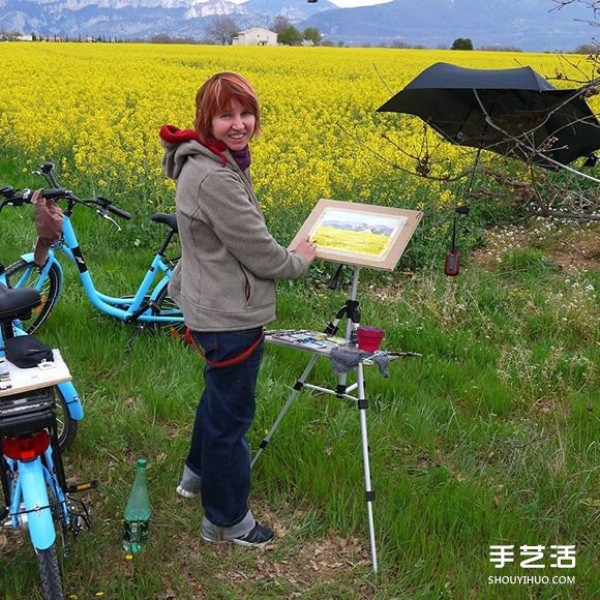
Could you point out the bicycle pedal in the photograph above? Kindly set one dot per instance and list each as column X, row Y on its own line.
column 83, row 487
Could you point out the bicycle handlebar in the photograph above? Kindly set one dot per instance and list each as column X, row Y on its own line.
column 14, row 197
column 102, row 205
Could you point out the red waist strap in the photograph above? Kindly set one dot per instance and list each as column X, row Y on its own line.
column 226, row 362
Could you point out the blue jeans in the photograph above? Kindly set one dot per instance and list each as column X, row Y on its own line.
column 219, row 452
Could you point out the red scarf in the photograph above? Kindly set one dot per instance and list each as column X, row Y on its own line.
column 174, row 135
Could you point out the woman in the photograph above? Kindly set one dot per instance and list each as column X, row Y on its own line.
column 225, row 286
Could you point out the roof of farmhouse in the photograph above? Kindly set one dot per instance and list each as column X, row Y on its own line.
column 256, row 29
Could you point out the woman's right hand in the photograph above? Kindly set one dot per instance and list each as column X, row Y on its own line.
column 307, row 250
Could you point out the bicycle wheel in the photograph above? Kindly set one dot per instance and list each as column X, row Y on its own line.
column 50, row 573
column 26, row 274
column 65, row 425
column 166, row 305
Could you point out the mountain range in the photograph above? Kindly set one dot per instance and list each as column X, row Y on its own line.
column 531, row 25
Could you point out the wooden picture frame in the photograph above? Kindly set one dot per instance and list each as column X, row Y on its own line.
column 359, row 234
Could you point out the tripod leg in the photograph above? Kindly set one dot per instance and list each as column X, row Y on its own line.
column 297, row 387
column 369, row 493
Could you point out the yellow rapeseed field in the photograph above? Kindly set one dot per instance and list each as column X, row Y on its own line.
column 95, row 109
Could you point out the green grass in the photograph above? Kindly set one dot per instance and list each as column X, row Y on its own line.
column 491, row 436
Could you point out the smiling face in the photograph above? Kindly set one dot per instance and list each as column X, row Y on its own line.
column 227, row 108
column 234, row 125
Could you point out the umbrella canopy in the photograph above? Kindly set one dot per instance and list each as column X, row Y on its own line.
column 514, row 112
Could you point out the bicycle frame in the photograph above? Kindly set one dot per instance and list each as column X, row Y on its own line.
column 29, row 501
column 141, row 307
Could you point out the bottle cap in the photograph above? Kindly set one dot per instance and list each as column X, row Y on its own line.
column 141, row 462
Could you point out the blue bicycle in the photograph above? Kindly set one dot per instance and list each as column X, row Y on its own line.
column 32, row 477
column 148, row 305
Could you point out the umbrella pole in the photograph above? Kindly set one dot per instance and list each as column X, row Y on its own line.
column 472, row 173
column 452, row 261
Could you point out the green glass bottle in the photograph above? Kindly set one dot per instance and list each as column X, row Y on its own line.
column 137, row 512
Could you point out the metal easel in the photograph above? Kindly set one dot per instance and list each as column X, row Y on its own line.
column 351, row 312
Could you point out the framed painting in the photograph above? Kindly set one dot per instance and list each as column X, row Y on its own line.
column 359, row 234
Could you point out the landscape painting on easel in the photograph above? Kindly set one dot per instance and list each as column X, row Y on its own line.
column 359, row 234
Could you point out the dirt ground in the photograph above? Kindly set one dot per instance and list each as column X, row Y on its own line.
column 573, row 249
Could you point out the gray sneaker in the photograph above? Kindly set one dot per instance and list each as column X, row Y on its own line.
column 190, row 484
column 257, row 537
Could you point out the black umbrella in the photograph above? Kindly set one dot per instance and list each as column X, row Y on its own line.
column 514, row 112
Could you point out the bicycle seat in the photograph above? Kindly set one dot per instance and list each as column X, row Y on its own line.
column 17, row 303
column 170, row 220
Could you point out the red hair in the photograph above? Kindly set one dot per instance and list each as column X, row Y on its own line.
column 215, row 95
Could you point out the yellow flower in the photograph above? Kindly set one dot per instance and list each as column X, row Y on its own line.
column 95, row 110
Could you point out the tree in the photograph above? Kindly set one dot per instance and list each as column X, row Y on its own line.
column 591, row 49
column 279, row 24
column 312, row 34
column 398, row 43
column 222, row 30
column 289, row 36
column 163, row 38
column 462, row 44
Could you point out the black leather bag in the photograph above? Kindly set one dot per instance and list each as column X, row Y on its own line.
column 26, row 351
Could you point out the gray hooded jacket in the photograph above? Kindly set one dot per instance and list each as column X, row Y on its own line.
column 224, row 280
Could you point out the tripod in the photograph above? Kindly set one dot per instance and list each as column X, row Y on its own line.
column 351, row 312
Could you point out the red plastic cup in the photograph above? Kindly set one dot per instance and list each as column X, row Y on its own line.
column 369, row 338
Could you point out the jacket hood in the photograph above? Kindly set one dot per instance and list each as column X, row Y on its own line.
column 181, row 143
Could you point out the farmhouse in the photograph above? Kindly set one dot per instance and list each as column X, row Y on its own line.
column 255, row 36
